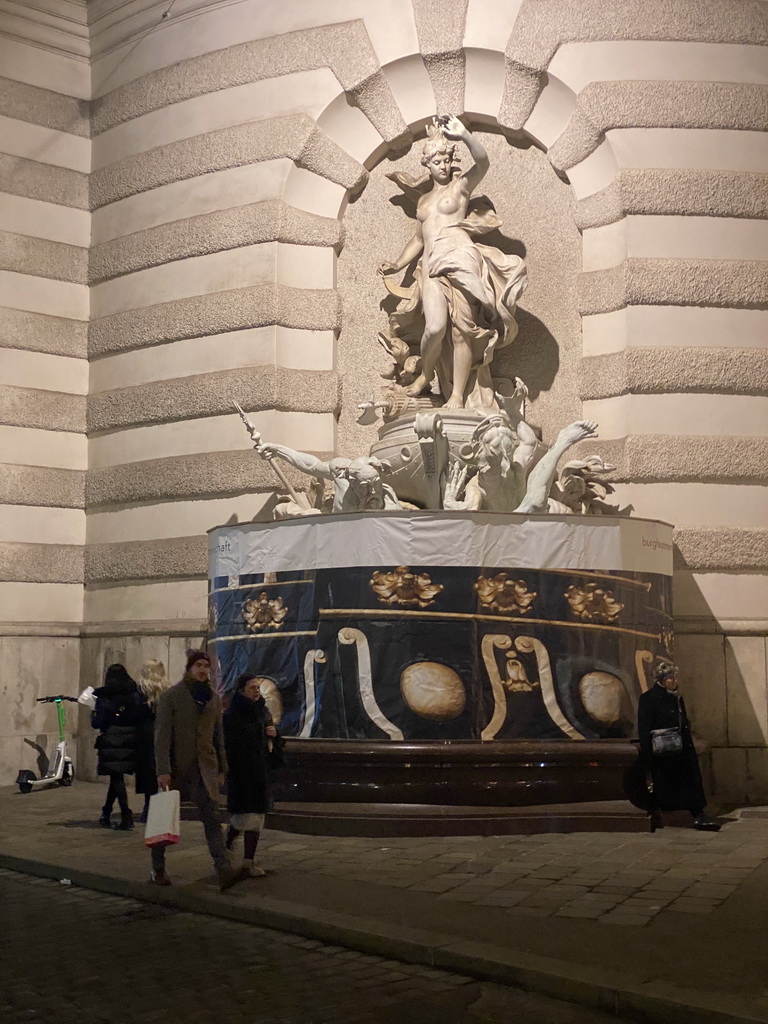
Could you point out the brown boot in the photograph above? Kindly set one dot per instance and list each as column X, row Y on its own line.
column 159, row 878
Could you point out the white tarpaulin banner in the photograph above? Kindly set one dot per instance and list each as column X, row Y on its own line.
column 597, row 543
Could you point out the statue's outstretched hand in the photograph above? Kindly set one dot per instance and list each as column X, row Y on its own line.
column 578, row 431
column 454, row 486
column 453, row 128
column 385, row 269
column 266, row 450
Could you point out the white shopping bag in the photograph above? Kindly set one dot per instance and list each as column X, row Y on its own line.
column 162, row 827
column 87, row 698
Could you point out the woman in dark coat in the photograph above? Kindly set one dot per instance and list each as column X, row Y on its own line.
column 676, row 777
column 117, row 715
column 248, row 733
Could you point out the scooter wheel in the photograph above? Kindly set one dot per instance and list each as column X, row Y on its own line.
column 68, row 776
column 25, row 781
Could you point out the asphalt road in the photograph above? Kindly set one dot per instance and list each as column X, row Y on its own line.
column 73, row 956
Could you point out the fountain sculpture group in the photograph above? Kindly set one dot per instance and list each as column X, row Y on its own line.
column 456, row 583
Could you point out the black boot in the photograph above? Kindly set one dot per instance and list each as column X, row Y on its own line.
column 104, row 821
column 704, row 823
column 126, row 822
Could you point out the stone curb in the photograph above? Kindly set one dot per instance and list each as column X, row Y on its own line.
column 593, row 987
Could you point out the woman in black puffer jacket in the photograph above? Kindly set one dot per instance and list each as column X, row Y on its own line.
column 117, row 715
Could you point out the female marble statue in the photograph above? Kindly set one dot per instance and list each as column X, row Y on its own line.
column 464, row 293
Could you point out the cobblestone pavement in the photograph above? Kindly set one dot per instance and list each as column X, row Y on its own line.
column 616, row 878
column 74, row 956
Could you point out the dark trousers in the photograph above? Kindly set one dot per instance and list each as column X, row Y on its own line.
column 117, row 792
column 208, row 811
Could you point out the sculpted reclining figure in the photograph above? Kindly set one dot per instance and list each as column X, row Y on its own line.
column 515, row 473
column 357, row 483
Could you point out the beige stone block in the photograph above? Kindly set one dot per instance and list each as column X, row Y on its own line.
column 177, row 599
column 46, row 145
column 721, row 596
column 484, row 88
column 349, row 128
column 669, row 326
column 707, row 149
column 53, row 298
column 41, row 602
column 688, row 414
column 212, row 434
column 171, row 519
column 757, row 776
column 594, row 172
column 306, row 91
column 579, row 63
column 59, row 72
column 702, row 667
column 188, row 357
column 32, row 667
column 32, row 446
column 41, row 219
column 411, row 87
column 44, row 371
column 36, row 525
column 695, row 504
column 729, row 775
column 747, row 690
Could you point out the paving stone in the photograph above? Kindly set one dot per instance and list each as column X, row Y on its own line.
column 585, row 912
column 718, row 892
column 627, row 919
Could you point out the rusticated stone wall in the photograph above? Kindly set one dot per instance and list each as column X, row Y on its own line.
column 190, row 210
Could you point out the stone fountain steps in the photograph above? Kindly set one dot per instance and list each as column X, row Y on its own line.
column 388, row 820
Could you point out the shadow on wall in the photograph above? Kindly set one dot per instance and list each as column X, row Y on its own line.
column 534, row 355
column 43, row 761
column 724, row 684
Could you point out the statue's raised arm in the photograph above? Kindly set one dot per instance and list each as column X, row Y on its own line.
column 453, row 129
column 464, row 294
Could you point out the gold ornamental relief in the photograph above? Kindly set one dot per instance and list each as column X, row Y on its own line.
column 262, row 613
column 517, row 680
column 403, row 587
column 501, row 594
column 593, row 604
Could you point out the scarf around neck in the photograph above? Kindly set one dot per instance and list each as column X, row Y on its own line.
column 200, row 692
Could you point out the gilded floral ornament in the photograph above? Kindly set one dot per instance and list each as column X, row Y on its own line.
column 517, row 680
column 501, row 594
column 401, row 586
column 593, row 604
column 263, row 613
column 668, row 641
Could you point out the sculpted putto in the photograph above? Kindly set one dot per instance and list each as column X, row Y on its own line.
column 460, row 309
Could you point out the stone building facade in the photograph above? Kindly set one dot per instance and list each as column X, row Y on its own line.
column 193, row 203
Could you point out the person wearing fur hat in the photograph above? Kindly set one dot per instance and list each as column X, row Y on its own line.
column 116, row 716
column 674, row 771
column 190, row 757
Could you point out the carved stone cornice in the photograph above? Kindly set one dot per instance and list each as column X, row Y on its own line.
column 57, row 25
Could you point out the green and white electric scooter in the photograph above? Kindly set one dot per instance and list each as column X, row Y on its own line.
column 61, row 771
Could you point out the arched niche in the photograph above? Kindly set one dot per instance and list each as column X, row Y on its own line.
column 535, row 203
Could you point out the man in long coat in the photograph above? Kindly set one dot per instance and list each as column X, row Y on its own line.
column 190, row 757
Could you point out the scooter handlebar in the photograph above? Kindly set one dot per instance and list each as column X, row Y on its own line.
column 50, row 700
